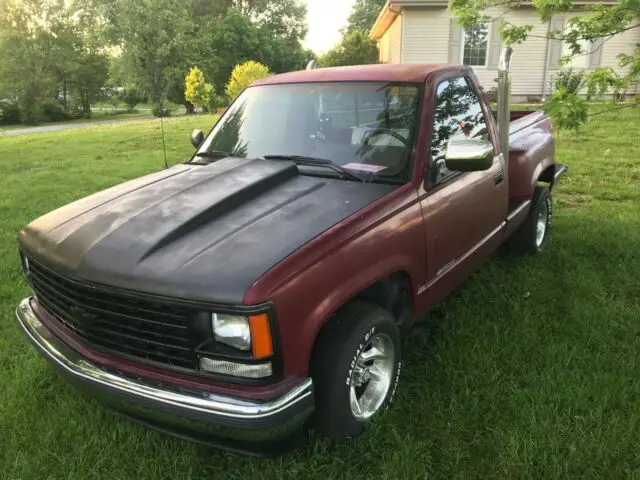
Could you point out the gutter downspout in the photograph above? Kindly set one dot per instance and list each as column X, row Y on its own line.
column 545, row 69
column 504, row 105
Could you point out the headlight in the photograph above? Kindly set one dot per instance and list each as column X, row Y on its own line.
column 232, row 330
column 244, row 333
column 248, row 334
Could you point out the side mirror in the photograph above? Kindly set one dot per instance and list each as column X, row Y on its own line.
column 468, row 154
column 197, row 137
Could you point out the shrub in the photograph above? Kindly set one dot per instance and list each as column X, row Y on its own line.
column 604, row 80
column 131, row 96
column 161, row 111
column 10, row 113
column 53, row 112
column 196, row 91
column 216, row 102
column 30, row 112
column 243, row 76
column 569, row 79
column 492, row 95
column 74, row 111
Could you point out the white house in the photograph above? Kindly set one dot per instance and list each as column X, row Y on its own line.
column 423, row 31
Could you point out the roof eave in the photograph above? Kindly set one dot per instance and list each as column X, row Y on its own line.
column 385, row 19
column 392, row 9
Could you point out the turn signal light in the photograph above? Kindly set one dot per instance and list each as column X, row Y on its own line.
column 261, row 343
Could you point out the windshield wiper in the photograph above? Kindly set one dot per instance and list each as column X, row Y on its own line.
column 213, row 154
column 315, row 162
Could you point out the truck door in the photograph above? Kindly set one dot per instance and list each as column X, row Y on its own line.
column 464, row 212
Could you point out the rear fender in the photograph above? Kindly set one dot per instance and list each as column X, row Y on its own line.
column 543, row 173
column 532, row 152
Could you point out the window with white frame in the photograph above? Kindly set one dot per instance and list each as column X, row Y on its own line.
column 580, row 60
column 475, row 45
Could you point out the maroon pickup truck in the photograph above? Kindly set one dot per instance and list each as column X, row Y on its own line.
column 264, row 285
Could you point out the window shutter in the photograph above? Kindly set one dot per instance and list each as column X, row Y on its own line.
column 455, row 42
column 555, row 46
column 595, row 54
column 495, row 46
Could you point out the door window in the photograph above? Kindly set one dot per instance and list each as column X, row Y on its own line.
column 457, row 114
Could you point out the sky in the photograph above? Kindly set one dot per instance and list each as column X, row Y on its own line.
column 326, row 18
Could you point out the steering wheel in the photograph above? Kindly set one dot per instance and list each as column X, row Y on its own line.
column 387, row 131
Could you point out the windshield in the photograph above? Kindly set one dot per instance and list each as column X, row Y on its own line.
column 367, row 128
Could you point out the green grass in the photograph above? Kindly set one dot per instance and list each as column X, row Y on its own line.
column 531, row 370
column 96, row 114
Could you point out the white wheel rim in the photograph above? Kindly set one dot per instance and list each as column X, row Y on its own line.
column 371, row 377
column 541, row 223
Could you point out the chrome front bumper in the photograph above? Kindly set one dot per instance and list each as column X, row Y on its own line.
column 223, row 421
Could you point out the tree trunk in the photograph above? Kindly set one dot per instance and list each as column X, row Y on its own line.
column 190, row 108
column 84, row 98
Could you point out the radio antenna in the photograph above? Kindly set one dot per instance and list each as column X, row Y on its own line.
column 164, row 146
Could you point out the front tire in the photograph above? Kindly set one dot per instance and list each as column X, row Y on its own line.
column 355, row 369
column 533, row 235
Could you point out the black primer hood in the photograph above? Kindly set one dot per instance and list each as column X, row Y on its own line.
column 196, row 232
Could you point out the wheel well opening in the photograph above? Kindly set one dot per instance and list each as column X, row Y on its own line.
column 392, row 293
column 547, row 175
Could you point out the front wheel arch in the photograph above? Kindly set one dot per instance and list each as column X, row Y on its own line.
column 317, row 321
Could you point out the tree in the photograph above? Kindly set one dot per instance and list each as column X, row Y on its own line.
column 68, row 51
column 88, row 78
column 131, row 96
column 243, row 75
column 355, row 48
column 363, row 14
column 603, row 21
column 152, row 36
column 175, row 89
column 44, row 61
column 236, row 38
column 283, row 18
column 196, row 90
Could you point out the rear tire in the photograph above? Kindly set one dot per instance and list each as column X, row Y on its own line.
column 533, row 235
column 355, row 369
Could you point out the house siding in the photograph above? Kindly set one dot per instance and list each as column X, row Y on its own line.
column 529, row 58
column 622, row 43
column 427, row 35
column 426, row 40
column 390, row 44
column 383, row 48
column 395, row 41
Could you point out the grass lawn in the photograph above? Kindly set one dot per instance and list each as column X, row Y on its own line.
column 531, row 370
column 96, row 115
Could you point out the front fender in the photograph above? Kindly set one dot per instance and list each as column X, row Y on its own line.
column 304, row 302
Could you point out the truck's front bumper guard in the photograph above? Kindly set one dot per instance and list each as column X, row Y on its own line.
column 196, row 415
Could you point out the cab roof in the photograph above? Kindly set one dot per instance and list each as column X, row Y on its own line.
column 413, row 73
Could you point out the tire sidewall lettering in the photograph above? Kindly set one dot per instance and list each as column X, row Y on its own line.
column 395, row 384
column 354, row 359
